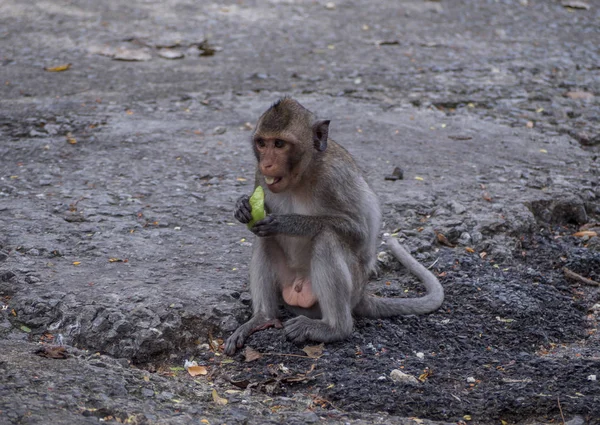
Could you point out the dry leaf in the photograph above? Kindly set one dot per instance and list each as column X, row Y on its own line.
column 76, row 263
column 251, row 354
column 218, row 399
column 588, row 233
column 71, row 139
column 469, row 249
column 59, row 68
column 314, row 351
column 443, row 240
column 197, row 370
column 579, row 95
column 426, row 374
column 487, row 196
column 575, row 4
column 56, row 352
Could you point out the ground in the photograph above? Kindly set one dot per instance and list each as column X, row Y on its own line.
column 118, row 178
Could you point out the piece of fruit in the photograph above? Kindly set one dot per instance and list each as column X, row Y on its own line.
column 257, row 202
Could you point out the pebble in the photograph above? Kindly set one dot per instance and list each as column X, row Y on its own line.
column 399, row 376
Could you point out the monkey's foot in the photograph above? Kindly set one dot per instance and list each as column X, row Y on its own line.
column 302, row 328
column 255, row 324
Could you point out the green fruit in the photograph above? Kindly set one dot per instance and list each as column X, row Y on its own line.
column 257, row 202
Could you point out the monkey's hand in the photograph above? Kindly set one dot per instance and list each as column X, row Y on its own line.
column 268, row 226
column 243, row 209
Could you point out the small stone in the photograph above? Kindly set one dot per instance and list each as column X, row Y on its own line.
column 330, row 5
column 219, row 130
column 471, row 380
column 464, row 239
column 399, row 376
column 170, row 54
column 397, row 174
column 147, row 392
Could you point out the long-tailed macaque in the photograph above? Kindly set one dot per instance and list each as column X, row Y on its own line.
column 316, row 248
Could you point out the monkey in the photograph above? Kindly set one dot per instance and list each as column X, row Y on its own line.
column 316, row 249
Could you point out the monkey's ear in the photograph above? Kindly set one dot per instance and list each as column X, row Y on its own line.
column 320, row 134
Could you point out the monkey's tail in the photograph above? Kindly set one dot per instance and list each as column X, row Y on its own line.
column 387, row 307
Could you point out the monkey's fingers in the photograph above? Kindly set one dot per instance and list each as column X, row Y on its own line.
column 268, row 226
column 235, row 341
column 243, row 216
column 243, row 209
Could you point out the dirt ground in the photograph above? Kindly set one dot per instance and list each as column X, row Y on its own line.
column 124, row 143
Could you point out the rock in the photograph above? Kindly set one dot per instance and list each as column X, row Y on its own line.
column 566, row 209
column 401, row 377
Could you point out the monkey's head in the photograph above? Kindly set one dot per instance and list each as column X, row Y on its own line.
column 286, row 140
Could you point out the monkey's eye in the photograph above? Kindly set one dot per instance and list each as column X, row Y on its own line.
column 279, row 143
column 260, row 143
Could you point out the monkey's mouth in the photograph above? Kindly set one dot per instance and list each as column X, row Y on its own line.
column 272, row 180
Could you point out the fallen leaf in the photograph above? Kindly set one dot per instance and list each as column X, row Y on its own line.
column 588, row 233
column 251, row 354
column 76, row 263
column 443, row 240
column 543, row 151
column 426, row 374
column 460, row 137
column 529, row 124
column 314, row 351
column 575, row 4
column 419, row 178
column 469, row 249
column 197, row 370
column 487, row 196
column 59, row 68
column 579, row 95
column 25, row 329
column 115, row 260
column 218, row 399
column 53, row 352
column 243, row 384
column 72, row 140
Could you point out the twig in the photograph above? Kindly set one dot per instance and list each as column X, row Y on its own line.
column 289, row 355
column 560, row 409
column 434, row 263
column 577, row 277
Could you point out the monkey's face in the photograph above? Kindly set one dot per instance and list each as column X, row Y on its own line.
column 276, row 161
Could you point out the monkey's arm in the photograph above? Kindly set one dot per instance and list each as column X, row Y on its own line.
column 307, row 225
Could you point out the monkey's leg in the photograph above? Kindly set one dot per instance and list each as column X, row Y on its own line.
column 264, row 292
column 332, row 283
